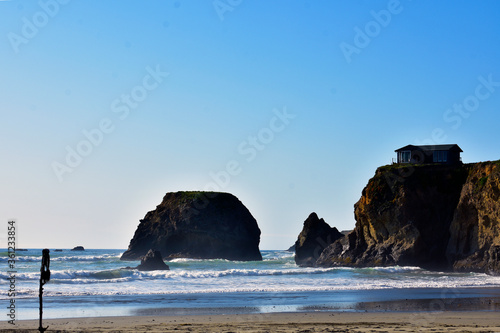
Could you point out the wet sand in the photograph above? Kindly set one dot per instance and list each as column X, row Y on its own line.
column 481, row 321
column 481, row 314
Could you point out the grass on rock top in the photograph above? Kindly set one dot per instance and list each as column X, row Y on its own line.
column 195, row 195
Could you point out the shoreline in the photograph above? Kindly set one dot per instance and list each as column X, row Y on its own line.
column 390, row 300
column 329, row 321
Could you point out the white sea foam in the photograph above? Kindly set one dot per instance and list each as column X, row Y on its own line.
column 89, row 258
column 98, row 273
column 102, row 275
column 94, row 280
column 86, row 287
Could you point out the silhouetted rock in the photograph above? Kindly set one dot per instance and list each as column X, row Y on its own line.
column 78, row 248
column 152, row 261
column 291, row 248
column 432, row 216
column 204, row 225
column 315, row 236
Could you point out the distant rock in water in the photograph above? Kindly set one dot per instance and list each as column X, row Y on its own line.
column 315, row 236
column 433, row 216
column 291, row 248
column 152, row 261
column 78, row 248
column 202, row 225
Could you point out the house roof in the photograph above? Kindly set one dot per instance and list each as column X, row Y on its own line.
column 430, row 147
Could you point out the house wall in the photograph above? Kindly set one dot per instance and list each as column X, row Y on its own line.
column 427, row 157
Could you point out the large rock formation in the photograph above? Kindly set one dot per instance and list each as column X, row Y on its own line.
column 203, row 225
column 315, row 236
column 432, row 216
column 475, row 230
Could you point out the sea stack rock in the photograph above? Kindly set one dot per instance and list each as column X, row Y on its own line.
column 315, row 236
column 152, row 261
column 403, row 218
column 78, row 248
column 200, row 225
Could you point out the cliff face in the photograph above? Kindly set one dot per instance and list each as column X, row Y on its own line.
column 402, row 218
column 475, row 230
column 204, row 225
column 315, row 236
column 436, row 217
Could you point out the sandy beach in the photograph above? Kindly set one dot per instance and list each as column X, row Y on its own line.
column 479, row 314
column 469, row 321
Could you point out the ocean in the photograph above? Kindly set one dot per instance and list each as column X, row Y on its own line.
column 91, row 283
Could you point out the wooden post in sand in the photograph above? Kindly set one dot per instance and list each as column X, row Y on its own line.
column 44, row 278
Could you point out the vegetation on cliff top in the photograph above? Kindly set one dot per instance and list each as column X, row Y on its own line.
column 194, row 195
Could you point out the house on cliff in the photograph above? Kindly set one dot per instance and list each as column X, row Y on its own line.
column 438, row 154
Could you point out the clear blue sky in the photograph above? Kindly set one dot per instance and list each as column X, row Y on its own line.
column 290, row 105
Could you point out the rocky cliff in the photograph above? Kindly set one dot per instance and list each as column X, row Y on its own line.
column 203, row 225
column 432, row 216
column 475, row 230
column 315, row 236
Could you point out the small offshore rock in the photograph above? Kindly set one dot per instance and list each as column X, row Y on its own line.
column 152, row 261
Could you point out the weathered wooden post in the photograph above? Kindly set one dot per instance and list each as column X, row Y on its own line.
column 44, row 278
